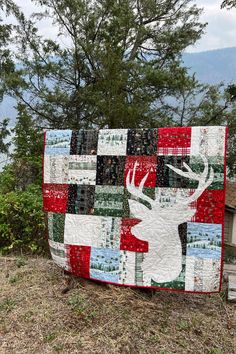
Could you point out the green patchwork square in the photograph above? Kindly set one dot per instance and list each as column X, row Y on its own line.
column 56, row 223
column 109, row 200
column 150, row 192
column 216, row 162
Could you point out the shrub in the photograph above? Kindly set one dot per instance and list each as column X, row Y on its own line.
column 22, row 221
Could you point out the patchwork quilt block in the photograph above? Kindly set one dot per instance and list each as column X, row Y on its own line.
column 138, row 207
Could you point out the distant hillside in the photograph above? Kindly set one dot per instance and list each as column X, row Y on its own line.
column 213, row 66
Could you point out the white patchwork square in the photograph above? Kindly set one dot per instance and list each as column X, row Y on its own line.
column 127, row 268
column 83, row 230
column 112, row 142
column 110, row 232
column 56, row 169
column 93, row 231
column 189, row 273
column 211, row 275
column 58, row 253
column 82, row 169
column 208, row 141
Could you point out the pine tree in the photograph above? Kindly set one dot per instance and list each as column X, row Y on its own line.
column 28, row 150
column 4, row 133
column 118, row 67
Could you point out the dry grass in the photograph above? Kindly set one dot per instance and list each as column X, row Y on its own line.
column 37, row 316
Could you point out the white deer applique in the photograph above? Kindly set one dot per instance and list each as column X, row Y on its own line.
column 159, row 226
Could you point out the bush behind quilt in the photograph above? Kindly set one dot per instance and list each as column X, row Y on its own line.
column 137, row 207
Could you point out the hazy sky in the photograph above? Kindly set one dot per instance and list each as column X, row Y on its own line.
column 220, row 32
column 221, row 29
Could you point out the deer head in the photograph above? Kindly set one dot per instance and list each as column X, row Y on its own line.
column 158, row 222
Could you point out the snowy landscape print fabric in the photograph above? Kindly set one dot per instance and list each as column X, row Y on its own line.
column 137, row 207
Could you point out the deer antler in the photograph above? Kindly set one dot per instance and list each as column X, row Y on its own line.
column 202, row 178
column 138, row 191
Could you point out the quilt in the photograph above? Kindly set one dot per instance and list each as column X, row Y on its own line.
column 138, row 207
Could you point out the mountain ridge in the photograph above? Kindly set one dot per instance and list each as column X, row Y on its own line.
column 212, row 66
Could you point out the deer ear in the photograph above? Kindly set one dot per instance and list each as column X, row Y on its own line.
column 137, row 209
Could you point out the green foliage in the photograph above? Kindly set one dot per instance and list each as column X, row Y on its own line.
column 21, row 262
column 50, row 337
column 28, row 140
column 7, row 305
column 4, row 132
column 216, row 351
column 81, row 307
column 26, row 165
column 8, row 179
column 27, row 156
column 184, row 325
column 15, row 279
column 117, row 68
column 6, row 63
column 22, row 221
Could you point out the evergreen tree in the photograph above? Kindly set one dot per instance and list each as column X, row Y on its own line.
column 28, row 136
column 122, row 60
column 4, row 133
column 7, row 7
column 28, row 149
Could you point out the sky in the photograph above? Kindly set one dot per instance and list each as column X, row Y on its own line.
column 220, row 32
column 221, row 29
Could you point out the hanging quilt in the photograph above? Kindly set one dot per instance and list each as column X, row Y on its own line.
column 137, row 207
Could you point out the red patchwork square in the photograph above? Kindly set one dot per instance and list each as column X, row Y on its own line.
column 79, row 260
column 210, row 207
column 55, row 197
column 174, row 141
column 144, row 165
column 128, row 242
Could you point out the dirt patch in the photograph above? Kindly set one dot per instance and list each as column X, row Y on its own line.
column 44, row 311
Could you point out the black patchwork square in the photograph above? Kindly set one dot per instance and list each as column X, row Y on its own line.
column 166, row 177
column 84, row 142
column 110, row 170
column 182, row 229
column 80, row 199
column 142, row 142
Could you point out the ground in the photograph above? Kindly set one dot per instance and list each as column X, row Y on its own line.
column 44, row 311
